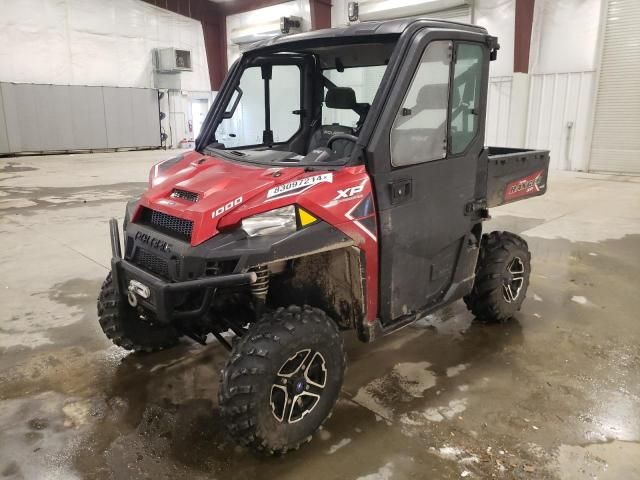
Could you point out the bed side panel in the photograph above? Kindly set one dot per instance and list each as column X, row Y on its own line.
column 516, row 174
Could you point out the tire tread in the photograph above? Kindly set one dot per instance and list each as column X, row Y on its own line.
column 496, row 249
column 248, row 362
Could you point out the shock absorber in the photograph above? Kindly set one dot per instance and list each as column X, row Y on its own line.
column 260, row 287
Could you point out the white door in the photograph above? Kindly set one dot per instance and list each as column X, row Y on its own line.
column 615, row 145
column 199, row 109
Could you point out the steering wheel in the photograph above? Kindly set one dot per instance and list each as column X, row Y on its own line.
column 341, row 136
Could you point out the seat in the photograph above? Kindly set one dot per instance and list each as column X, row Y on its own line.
column 343, row 98
column 341, row 148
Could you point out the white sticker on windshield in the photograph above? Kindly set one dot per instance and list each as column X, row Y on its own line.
column 298, row 186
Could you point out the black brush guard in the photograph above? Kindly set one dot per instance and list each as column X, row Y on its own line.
column 161, row 291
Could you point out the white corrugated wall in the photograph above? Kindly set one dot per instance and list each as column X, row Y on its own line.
column 498, row 108
column 559, row 117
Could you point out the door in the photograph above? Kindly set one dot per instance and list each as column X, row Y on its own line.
column 199, row 109
column 432, row 132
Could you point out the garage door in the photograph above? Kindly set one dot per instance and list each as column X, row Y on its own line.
column 616, row 135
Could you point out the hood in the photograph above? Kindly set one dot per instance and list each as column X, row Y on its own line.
column 203, row 188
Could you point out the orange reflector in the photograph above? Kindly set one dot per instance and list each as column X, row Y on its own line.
column 306, row 218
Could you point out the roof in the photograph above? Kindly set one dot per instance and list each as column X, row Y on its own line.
column 370, row 28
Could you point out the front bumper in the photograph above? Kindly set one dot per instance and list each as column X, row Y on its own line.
column 161, row 291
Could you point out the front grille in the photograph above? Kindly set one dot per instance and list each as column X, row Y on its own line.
column 153, row 263
column 185, row 195
column 177, row 227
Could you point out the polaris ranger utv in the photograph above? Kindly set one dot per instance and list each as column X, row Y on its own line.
column 340, row 181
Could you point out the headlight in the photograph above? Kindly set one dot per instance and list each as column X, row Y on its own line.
column 278, row 221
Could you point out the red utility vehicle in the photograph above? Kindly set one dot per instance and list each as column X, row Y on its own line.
column 340, row 182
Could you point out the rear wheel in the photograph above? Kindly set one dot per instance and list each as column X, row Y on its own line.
column 282, row 379
column 126, row 328
column 502, row 277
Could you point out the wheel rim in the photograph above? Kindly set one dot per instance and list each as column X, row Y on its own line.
column 513, row 280
column 298, row 386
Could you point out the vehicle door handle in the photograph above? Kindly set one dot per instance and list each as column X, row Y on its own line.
column 400, row 191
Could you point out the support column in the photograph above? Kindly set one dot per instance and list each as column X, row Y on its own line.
column 320, row 14
column 215, row 44
column 519, row 102
column 522, row 40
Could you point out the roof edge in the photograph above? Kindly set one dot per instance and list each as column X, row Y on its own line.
column 368, row 28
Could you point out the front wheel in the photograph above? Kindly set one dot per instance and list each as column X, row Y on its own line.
column 282, row 379
column 502, row 277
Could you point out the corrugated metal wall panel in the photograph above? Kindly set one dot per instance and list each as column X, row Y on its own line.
column 498, row 108
column 615, row 143
column 11, row 97
column 147, row 132
column 558, row 117
column 118, row 111
column 55, row 113
column 4, row 139
column 87, row 118
column 43, row 118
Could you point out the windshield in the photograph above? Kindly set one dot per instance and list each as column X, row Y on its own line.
column 296, row 101
column 258, row 112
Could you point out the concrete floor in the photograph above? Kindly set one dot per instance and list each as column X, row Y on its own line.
column 553, row 393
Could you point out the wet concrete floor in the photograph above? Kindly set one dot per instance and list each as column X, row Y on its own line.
column 553, row 393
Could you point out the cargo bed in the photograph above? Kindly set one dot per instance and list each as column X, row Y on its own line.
column 515, row 174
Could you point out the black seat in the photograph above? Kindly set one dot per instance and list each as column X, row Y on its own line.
column 341, row 148
column 343, row 98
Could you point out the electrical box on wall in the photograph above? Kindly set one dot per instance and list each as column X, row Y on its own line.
column 172, row 60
